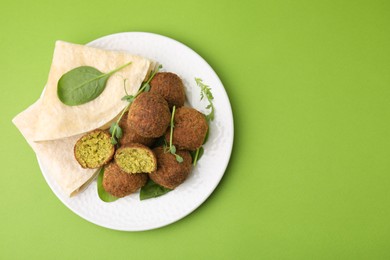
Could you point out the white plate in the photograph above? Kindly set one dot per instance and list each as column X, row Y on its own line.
column 129, row 213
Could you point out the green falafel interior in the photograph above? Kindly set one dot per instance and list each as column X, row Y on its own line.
column 94, row 149
column 135, row 158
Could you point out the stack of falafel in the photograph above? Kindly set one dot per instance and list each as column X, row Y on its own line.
column 138, row 158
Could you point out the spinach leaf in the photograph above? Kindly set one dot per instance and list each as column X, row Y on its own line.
column 152, row 190
column 103, row 194
column 83, row 84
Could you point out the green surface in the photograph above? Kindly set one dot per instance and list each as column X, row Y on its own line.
column 309, row 84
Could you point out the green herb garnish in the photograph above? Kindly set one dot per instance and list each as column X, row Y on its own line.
column 206, row 92
column 103, row 194
column 83, row 84
column 115, row 130
column 152, row 190
column 172, row 148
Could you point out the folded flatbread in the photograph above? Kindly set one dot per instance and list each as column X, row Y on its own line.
column 52, row 128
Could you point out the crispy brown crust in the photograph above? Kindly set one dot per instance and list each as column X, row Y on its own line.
column 169, row 86
column 138, row 146
column 190, row 129
column 107, row 134
column 120, row 183
column 149, row 115
column 130, row 136
column 170, row 173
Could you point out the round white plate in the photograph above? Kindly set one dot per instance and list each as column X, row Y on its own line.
column 129, row 213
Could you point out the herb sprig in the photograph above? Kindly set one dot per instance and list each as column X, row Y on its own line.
column 115, row 130
column 172, row 148
column 205, row 91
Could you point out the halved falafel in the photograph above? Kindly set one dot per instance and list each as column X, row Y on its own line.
column 169, row 86
column 149, row 115
column 120, row 183
column 135, row 158
column 130, row 136
column 94, row 149
column 170, row 173
column 190, row 129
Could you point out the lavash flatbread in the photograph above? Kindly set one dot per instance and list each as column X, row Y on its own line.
column 52, row 128
column 57, row 156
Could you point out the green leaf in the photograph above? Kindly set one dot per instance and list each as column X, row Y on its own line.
column 193, row 154
column 103, row 194
column 82, row 84
column 147, row 87
column 112, row 127
column 179, row 158
column 201, row 152
column 152, row 190
column 118, row 132
column 173, row 149
column 128, row 98
column 113, row 140
column 210, row 117
column 206, row 91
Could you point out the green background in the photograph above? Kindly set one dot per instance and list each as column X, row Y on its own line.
column 309, row 84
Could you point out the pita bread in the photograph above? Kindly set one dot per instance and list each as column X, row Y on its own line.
column 52, row 128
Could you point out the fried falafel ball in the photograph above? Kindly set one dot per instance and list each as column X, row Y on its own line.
column 170, row 87
column 135, row 158
column 170, row 173
column 94, row 149
column 149, row 115
column 190, row 129
column 130, row 136
column 119, row 183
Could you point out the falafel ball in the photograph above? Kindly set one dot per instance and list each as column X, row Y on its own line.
column 119, row 183
column 170, row 173
column 94, row 149
column 130, row 136
column 135, row 158
column 149, row 115
column 190, row 129
column 169, row 86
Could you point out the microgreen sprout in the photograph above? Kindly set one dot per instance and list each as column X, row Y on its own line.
column 172, row 148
